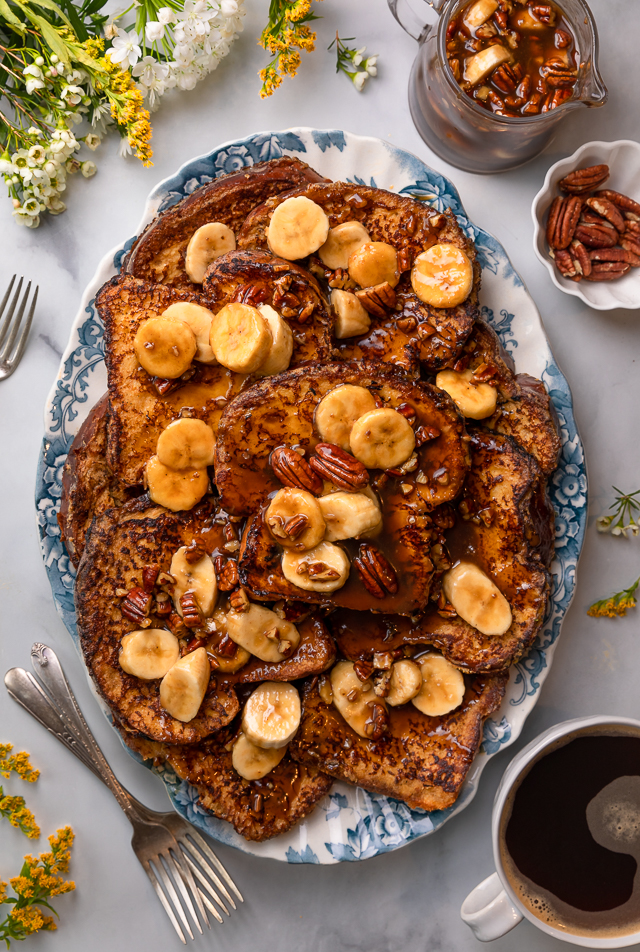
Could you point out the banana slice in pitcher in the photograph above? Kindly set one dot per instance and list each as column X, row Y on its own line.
column 322, row 569
column 342, row 241
column 442, row 688
column 279, row 356
column 405, row 682
column 477, row 599
column 240, row 338
column 149, row 653
column 197, row 577
column 298, row 227
column 295, row 519
column 338, row 411
column 443, row 275
column 187, row 443
column 263, row 633
column 183, row 687
column 199, row 320
column 176, row 490
column 353, row 698
column 252, row 762
column 272, row 714
column 165, row 348
column 382, row 439
column 348, row 515
column 206, row 244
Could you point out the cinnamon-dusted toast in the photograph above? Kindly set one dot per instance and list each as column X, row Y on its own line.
column 412, row 333
column 258, row 809
column 158, row 253
column 421, row 760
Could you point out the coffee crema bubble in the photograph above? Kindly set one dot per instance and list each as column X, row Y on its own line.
column 570, row 834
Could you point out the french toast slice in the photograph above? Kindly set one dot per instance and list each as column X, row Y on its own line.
column 507, row 530
column 121, row 544
column 257, row 809
column 413, row 333
column 421, row 760
column 157, row 255
column 138, row 412
column 88, row 483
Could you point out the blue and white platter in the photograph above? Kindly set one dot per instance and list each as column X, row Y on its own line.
column 349, row 824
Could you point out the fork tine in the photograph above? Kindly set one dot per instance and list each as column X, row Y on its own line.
column 6, row 324
column 189, row 881
column 212, row 909
column 170, row 888
column 161, row 896
column 206, row 885
column 7, row 293
column 24, row 333
column 15, row 326
column 175, row 867
column 203, row 846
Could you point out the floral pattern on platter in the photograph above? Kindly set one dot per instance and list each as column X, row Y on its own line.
column 349, row 824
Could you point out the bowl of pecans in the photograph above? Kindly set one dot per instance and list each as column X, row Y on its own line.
column 587, row 224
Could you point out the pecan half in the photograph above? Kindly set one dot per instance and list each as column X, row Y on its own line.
column 363, row 669
column 563, row 39
column 318, row 570
column 407, row 324
column 544, row 12
column 376, row 299
column 585, row 180
column 507, row 77
column 376, row 573
column 192, row 645
column 137, row 604
column 227, row 648
column 339, row 467
column 191, row 614
column 615, row 254
column 596, row 236
column 608, row 211
column 631, row 244
column 163, row 604
column 226, row 573
column 377, row 723
column 630, row 208
column 574, row 262
column 195, row 551
column 557, row 75
column 293, row 470
column 251, row 294
column 239, row 600
column 149, row 577
column 608, row 270
column 564, row 216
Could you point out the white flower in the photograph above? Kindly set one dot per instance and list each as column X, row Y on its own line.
column 149, row 71
column 359, row 80
column 125, row 49
column 370, row 65
column 166, row 16
column 125, row 147
column 31, row 207
column 20, row 159
column 228, row 8
column 154, row 31
column 72, row 95
column 100, row 114
column 183, row 55
column 88, row 169
column 55, row 206
column 72, row 166
column 51, row 167
column 110, row 31
column 6, row 167
column 358, row 55
column 33, row 131
column 36, row 79
column 92, row 141
column 194, row 19
column 37, row 154
column 187, row 80
column 32, row 221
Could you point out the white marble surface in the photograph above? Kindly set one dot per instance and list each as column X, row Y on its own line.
column 408, row 900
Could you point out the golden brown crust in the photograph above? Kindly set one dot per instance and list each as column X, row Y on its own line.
column 158, row 254
column 421, row 760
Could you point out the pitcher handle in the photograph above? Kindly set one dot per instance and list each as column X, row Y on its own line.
column 409, row 19
column 488, row 911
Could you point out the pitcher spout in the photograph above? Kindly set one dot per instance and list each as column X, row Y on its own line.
column 593, row 91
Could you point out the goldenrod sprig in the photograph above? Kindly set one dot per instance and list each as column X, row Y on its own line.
column 284, row 35
column 625, row 517
column 18, row 763
column 616, row 605
column 15, row 810
column 352, row 62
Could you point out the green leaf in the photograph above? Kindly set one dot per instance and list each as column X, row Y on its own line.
column 77, row 53
column 49, row 34
column 50, row 5
column 10, row 17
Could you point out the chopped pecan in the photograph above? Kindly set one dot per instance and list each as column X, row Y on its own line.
column 407, row 412
column 318, row 570
column 226, row 573
column 596, row 236
column 163, row 604
column 195, row 551
column 164, row 386
column 507, row 77
column 306, row 312
column 229, row 532
column 377, row 575
column 339, row 467
column 382, row 684
column 608, row 270
column 193, row 644
column 293, row 470
column 239, row 600
column 426, row 433
column 405, row 259
column 149, row 577
column 191, row 614
column 407, row 324
column 137, row 605
column 564, row 216
column 376, row 299
column 585, row 180
column 563, row 39
column 425, row 330
column 382, row 660
column 501, row 19
column 630, row 208
column 544, row 12
column 340, row 278
column 445, row 608
column 294, row 526
column 175, row 623
column 608, row 211
column 252, row 294
column 377, row 723
column 615, row 254
column 227, row 648
column 363, row 669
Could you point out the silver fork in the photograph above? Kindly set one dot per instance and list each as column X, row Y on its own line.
column 173, row 854
column 13, row 333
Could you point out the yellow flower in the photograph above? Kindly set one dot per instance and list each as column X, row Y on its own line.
column 29, row 919
column 22, row 886
column 19, row 763
column 3, row 891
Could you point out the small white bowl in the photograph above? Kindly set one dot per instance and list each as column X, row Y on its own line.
column 623, row 159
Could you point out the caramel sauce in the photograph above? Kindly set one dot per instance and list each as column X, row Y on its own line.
column 279, row 789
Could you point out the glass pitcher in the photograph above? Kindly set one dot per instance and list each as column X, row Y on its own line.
column 459, row 130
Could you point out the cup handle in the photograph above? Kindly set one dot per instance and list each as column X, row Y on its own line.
column 408, row 18
column 488, row 912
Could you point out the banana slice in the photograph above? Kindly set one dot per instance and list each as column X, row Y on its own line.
column 348, row 515
column 298, row 227
column 206, row 244
column 374, row 263
column 176, row 490
column 186, row 443
column 341, row 243
column 199, row 320
column 279, row 356
column 183, row 687
column 442, row 687
column 477, row 599
column 295, row 519
column 338, row 411
column 478, row 66
column 479, row 12
column 271, row 715
column 443, row 275
column 253, row 763
column 240, row 338
column 323, row 569
column 197, row 577
column 352, row 697
column 149, row 654
column 226, row 664
column 262, row 633
column 474, row 400
column 382, row 439
column 165, row 348
column 351, row 318
column 405, row 682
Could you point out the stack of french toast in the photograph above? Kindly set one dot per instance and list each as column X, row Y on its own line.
column 309, row 517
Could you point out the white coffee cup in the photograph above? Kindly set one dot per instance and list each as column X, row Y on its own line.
column 492, row 909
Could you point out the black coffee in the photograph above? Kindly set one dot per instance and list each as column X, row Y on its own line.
column 571, row 836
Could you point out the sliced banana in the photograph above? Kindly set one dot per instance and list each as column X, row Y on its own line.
column 374, row 263
column 165, row 348
column 477, row 599
column 341, row 243
column 261, row 632
column 187, row 443
column 479, row 12
column 351, row 319
column 525, row 21
column 197, row 577
column 442, row 687
column 352, row 697
column 271, row 715
column 443, row 275
column 323, row 569
column 199, row 320
column 474, row 400
column 206, row 244
column 183, row 687
column 298, row 227
column 149, row 654
column 226, row 664
column 295, row 519
column 405, row 682
column 338, row 411
column 478, row 66
column 348, row 515
column 382, row 439
column 279, row 356
column 252, row 762
column 176, row 490
column 240, row 338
